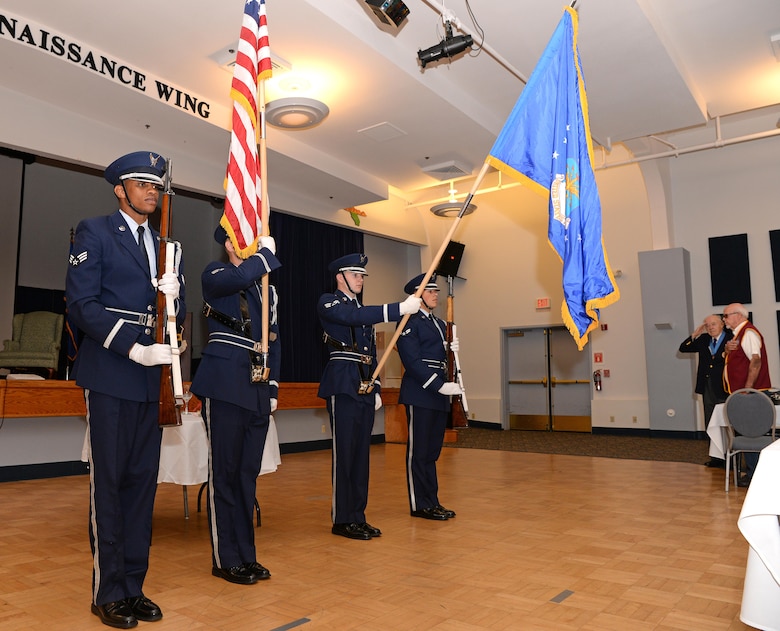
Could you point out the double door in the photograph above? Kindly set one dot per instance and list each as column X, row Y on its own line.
column 547, row 381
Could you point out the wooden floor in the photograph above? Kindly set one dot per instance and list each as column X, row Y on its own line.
column 541, row 542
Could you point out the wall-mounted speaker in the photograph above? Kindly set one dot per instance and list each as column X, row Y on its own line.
column 450, row 260
column 730, row 270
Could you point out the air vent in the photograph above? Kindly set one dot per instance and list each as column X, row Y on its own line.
column 448, row 170
column 226, row 59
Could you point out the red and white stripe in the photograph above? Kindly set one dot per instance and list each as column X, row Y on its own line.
column 243, row 205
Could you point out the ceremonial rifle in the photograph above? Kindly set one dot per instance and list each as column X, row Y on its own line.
column 171, row 387
column 458, row 411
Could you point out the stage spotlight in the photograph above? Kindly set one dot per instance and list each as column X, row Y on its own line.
column 448, row 47
column 389, row 11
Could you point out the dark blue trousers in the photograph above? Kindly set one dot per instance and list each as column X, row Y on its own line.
column 351, row 423
column 426, row 436
column 236, row 441
column 124, row 456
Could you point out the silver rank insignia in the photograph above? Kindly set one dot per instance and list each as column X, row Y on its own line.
column 76, row 259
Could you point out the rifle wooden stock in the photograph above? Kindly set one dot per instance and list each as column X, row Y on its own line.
column 458, row 417
column 169, row 407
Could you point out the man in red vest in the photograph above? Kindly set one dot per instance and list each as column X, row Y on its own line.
column 746, row 364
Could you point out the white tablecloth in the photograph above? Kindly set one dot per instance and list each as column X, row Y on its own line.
column 716, row 432
column 759, row 523
column 184, row 452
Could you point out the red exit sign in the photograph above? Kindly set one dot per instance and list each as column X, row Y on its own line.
column 542, row 303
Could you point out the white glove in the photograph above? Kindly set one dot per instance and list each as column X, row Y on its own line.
column 455, row 345
column 268, row 243
column 450, row 388
column 410, row 305
column 377, row 401
column 169, row 284
column 153, row 355
column 274, row 405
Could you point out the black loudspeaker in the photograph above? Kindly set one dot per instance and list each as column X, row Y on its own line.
column 730, row 270
column 389, row 11
column 450, row 260
column 774, row 244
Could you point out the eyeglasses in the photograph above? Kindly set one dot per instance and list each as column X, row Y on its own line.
column 726, row 315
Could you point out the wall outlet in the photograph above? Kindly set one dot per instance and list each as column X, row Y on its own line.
column 633, row 418
column 611, row 419
column 323, row 428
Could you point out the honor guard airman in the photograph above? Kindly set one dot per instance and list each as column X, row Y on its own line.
column 237, row 400
column 111, row 290
column 425, row 393
column 351, row 394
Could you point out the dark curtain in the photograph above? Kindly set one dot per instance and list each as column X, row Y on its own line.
column 305, row 248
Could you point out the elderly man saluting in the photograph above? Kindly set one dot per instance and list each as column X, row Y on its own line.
column 709, row 373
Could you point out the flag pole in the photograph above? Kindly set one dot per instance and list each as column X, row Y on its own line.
column 264, row 219
column 434, row 264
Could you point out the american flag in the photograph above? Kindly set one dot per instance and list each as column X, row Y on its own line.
column 243, row 209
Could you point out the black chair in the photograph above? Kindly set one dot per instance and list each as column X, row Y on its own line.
column 750, row 416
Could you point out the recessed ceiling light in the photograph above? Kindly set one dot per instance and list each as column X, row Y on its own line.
column 295, row 112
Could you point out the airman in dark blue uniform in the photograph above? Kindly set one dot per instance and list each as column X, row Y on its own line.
column 237, row 400
column 425, row 393
column 351, row 342
column 111, row 289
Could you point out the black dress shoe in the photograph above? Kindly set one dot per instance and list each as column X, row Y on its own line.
column 258, row 570
column 350, row 531
column 446, row 511
column 715, row 463
column 743, row 481
column 370, row 530
column 144, row 609
column 429, row 513
column 116, row 614
column 239, row 574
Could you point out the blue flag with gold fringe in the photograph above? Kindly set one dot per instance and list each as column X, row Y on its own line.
column 546, row 144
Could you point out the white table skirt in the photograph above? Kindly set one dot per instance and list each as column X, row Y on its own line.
column 715, row 430
column 184, row 452
column 759, row 523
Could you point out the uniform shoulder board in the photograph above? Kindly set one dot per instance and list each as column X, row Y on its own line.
column 328, row 305
column 406, row 331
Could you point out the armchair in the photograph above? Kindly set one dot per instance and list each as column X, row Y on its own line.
column 36, row 341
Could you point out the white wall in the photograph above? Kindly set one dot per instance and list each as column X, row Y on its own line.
column 732, row 190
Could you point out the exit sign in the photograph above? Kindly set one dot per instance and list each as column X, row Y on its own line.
column 542, row 303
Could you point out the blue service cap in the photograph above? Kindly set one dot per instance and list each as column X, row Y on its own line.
column 220, row 235
column 349, row 263
column 145, row 166
column 413, row 285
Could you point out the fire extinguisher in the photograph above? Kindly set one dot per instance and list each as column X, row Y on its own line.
column 597, row 380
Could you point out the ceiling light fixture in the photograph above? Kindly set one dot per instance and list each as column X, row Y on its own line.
column 452, row 207
column 295, row 112
column 448, row 47
column 774, row 40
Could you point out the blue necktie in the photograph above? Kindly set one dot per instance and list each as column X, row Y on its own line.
column 713, row 345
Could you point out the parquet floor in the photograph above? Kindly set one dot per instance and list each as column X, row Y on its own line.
column 541, row 542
